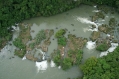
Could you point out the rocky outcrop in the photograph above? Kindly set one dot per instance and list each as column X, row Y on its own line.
column 112, row 22
column 76, row 42
column 95, row 35
column 104, row 28
column 94, row 18
column 44, row 48
column 97, row 16
column 100, row 15
column 31, row 57
column 105, row 43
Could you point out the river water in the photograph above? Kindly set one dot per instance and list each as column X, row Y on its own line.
column 12, row 67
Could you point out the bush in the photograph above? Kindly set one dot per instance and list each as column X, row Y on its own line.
column 18, row 43
column 62, row 41
column 57, row 60
column 102, row 47
column 66, row 63
column 20, row 53
column 60, row 33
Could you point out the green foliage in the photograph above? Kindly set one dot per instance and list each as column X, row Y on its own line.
column 76, row 56
column 57, row 60
column 40, row 36
column 66, row 63
column 20, row 53
column 19, row 10
column 102, row 47
column 88, row 66
column 60, row 33
column 102, row 68
column 79, row 56
column 18, row 43
column 62, row 41
column 38, row 39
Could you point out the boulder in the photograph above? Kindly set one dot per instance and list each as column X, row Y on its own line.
column 112, row 22
column 93, row 26
column 94, row 18
column 104, row 28
column 95, row 35
column 44, row 48
column 31, row 57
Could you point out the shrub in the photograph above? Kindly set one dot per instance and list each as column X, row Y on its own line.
column 66, row 63
column 60, row 33
column 62, row 41
column 18, row 43
column 102, row 47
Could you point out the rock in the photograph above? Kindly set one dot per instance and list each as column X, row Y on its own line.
column 112, row 22
column 47, row 41
column 104, row 28
column 103, row 42
column 100, row 15
column 31, row 57
column 51, row 32
column 95, row 35
column 44, row 48
column 93, row 26
column 94, row 18
column 32, row 31
column 115, row 41
column 72, row 24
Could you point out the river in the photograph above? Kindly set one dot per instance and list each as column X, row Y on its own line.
column 13, row 67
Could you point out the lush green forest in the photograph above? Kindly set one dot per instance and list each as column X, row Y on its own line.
column 102, row 68
column 15, row 11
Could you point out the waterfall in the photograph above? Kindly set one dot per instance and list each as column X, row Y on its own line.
column 52, row 64
column 41, row 65
column 111, row 49
column 90, row 45
column 86, row 21
column 43, row 53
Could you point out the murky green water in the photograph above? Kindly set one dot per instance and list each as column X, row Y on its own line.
column 16, row 68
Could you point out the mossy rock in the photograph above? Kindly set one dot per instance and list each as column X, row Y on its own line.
column 95, row 35
column 112, row 22
column 60, row 33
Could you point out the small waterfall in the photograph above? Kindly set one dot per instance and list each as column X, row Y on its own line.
column 41, row 65
column 86, row 21
column 24, row 58
column 52, row 64
column 111, row 49
column 90, row 45
column 43, row 53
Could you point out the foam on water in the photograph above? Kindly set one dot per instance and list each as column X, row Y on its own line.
column 90, row 45
column 24, row 58
column 52, row 64
column 96, row 11
column 86, row 21
column 41, row 65
column 43, row 53
column 15, row 28
column 95, row 6
column 111, row 49
column 59, row 67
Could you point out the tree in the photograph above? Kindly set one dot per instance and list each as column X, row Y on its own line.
column 66, row 64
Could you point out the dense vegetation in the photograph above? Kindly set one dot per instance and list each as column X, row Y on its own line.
column 22, row 48
column 14, row 11
column 19, row 10
column 102, row 68
column 72, row 58
column 102, row 47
